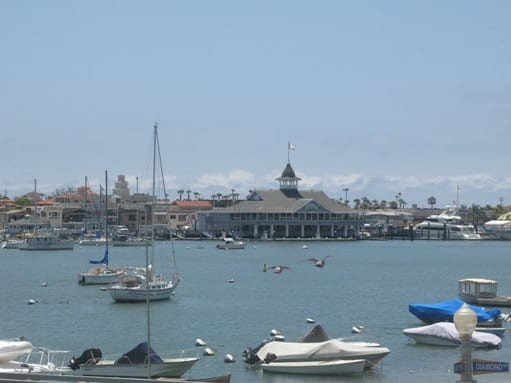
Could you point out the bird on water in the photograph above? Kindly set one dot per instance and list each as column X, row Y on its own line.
column 279, row 269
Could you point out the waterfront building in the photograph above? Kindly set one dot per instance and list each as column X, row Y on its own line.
column 284, row 213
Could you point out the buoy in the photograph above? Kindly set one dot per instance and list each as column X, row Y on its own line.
column 200, row 342
column 279, row 338
column 310, row 320
column 44, row 284
column 208, row 352
column 229, row 358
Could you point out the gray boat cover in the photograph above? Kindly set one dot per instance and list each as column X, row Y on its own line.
column 316, row 334
column 447, row 332
column 327, row 350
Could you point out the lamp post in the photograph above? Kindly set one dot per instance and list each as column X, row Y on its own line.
column 465, row 321
column 346, row 190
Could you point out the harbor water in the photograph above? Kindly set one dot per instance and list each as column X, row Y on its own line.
column 226, row 299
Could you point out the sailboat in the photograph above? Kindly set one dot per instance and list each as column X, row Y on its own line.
column 135, row 286
column 101, row 274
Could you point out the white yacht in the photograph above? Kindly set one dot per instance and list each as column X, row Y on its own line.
column 499, row 228
column 54, row 239
column 446, row 225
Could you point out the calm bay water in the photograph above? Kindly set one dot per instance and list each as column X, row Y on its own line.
column 367, row 283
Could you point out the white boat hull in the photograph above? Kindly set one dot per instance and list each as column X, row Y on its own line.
column 97, row 279
column 12, row 244
column 41, row 243
column 92, row 242
column 326, row 367
column 11, row 349
column 445, row 334
column 170, row 368
column 120, row 294
column 333, row 349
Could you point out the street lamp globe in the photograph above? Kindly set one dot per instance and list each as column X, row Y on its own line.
column 465, row 320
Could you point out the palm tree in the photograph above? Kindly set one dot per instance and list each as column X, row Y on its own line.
column 180, row 192
column 196, row 195
column 188, row 192
column 432, row 201
column 366, row 204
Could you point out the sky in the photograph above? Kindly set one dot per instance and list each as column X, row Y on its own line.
column 378, row 97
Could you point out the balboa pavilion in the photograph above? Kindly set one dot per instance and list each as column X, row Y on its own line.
column 284, row 213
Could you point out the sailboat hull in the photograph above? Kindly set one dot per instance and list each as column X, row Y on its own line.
column 89, row 278
column 132, row 295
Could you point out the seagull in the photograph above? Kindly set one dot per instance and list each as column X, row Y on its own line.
column 279, row 269
column 317, row 262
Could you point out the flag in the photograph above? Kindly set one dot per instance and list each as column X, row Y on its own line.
column 290, row 146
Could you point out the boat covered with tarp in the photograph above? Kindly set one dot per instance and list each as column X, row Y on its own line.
column 445, row 334
column 315, row 346
column 444, row 312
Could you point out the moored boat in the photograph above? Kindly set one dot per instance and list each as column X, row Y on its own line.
column 446, row 225
column 482, row 291
column 444, row 312
column 48, row 240
column 10, row 349
column 231, row 244
column 320, row 367
column 139, row 362
column 11, row 243
column 316, row 346
column 147, row 286
column 102, row 274
column 445, row 334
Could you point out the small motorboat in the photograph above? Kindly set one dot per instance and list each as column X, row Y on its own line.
column 444, row 312
column 317, row 367
column 315, row 346
column 445, row 334
column 231, row 244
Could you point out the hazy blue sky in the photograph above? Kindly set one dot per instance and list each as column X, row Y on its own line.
column 380, row 97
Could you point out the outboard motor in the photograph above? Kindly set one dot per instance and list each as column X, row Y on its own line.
column 270, row 357
column 89, row 356
column 250, row 354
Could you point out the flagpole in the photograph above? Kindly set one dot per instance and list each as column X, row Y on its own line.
column 288, row 145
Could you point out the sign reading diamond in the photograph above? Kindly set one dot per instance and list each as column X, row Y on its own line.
column 482, row 366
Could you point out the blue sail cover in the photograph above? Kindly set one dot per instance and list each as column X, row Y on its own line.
column 138, row 354
column 444, row 311
column 103, row 260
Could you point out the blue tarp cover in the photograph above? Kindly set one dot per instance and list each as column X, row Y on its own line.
column 444, row 311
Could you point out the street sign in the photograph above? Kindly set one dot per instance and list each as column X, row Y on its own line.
column 482, row 366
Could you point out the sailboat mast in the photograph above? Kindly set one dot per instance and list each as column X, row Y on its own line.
column 106, row 212
column 155, row 138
